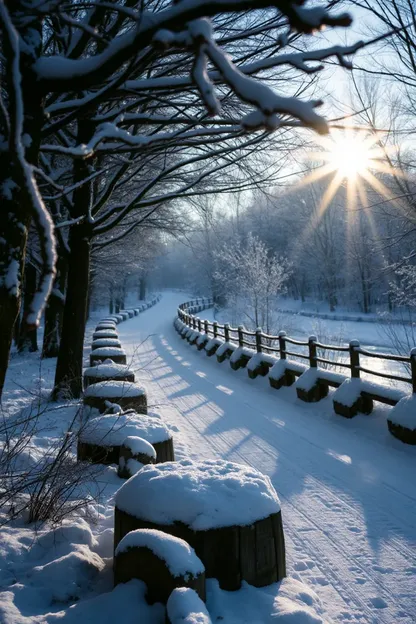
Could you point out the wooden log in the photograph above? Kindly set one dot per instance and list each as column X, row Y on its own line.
column 255, row 554
column 408, row 436
column 151, row 564
column 126, row 394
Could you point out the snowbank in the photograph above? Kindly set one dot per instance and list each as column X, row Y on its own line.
column 179, row 556
column 203, row 495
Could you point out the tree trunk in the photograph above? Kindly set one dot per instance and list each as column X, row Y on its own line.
column 28, row 336
column 142, row 288
column 54, row 312
column 68, row 376
column 16, row 207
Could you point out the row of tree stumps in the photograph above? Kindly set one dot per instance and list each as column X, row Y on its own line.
column 175, row 522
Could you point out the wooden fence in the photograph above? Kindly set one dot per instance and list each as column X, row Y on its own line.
column 315, row 355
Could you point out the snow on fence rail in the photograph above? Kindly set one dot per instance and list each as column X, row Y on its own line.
column 278, row 356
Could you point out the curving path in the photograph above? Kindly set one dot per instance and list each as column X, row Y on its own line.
column 348, row 489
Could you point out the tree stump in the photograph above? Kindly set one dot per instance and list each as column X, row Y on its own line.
column 211, row 346
column 101, row 438
column 126, row 394
column 110, row 319
column 314, row 394
column 201, row 342
column 404, row 434
column 115, row 354
column 105, row 326
column 105, row 333
column 105, row 342
column 107, row 371
column 186, row 607
column 229, row 514
column 135, row 452
column 363, row 405
column 240, row 358
column 161, row 561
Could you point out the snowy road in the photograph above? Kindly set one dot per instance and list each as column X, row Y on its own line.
column 347, row 487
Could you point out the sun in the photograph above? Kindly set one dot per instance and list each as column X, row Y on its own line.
column 350, row 156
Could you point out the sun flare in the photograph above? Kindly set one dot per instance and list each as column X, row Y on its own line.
column 349, row 156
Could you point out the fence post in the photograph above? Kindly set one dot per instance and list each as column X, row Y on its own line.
column 215, row 325
column 240, row 336
column 355, row 359
column 413, row 368
column 194, row 322
column 199, row 325
column 282, row 344
column 312, row 351
column 227, row 332
column 206, row 327
column 258, row 339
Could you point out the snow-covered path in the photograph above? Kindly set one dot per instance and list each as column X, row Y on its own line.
column 347, row 487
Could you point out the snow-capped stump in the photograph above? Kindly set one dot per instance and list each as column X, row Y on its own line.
column 225, row 351
column 115, row 354
column 127, row 394
column 135, row 453
column 313, row 384
column 102, row 437
column 127, row 314
column 230, row 515
column 136, row 311
column 402, row 420
column 212, row 345
column 106, row 325
column 105, row 342
column 186, row 607
column 124, row 315
column 118, row 318
column 160, row 560
column 241, row 357
column 110, row 319
column 105, row 333
column 260, row 364
column 107, row 371
column 284, row 373
column 349, row 399
column 202, row 341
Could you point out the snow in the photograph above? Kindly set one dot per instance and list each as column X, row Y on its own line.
column 139, row 446
column 108, row 351
column 112, row 389
column 309, row 378
column 113, row 429
column 212, row 342
column 105, row 342
column 179, row 556
column 278, row 370
column 350, row 390
column 404, row 413
column 347, row 490
column 259, row 358
column 226, row 346
column 105, row 333
column 186, row 607
column 236, row 355
column 202, row 495
column 203, row 338
column 108, row 369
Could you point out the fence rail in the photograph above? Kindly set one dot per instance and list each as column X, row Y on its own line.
column 266, row 343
